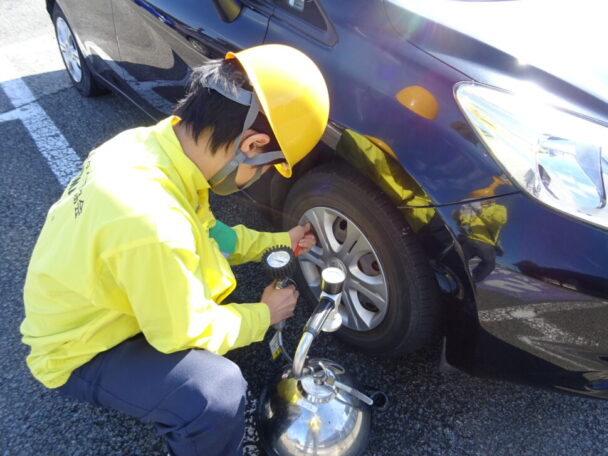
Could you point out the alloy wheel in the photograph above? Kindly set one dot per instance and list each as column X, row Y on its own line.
column 69, row 51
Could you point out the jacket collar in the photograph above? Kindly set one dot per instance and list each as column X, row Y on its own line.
column 193, row 179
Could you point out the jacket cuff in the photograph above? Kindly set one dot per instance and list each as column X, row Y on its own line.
column 282, row 239
column 258, row 331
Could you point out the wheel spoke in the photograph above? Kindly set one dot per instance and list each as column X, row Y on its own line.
column 315, row 256
column 76, row 71
column 355, row 246
column 353, row 236
column 316, row 217
column 360, row 319
column 63, row 33
column 354, row 311
column 372, row 288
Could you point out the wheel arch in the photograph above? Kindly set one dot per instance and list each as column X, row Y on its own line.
column 375, row 160
column 372, row 158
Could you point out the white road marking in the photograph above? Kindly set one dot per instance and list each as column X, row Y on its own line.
column 250, row 441
column 553, row 335
column 61, row 158
column 526, row 311
column 564, row 362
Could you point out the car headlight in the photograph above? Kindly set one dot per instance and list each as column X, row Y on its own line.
column 557, row 157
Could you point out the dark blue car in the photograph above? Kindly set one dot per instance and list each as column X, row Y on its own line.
column 461, row 182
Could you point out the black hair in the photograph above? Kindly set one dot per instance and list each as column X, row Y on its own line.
column 203, row 108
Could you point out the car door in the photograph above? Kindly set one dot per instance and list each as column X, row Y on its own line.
column 92, row 23
column 160, row 40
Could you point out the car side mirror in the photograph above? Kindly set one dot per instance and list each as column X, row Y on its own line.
column 228, row 10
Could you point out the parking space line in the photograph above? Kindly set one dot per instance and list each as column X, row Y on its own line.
column 529, row 311
column 61, row 158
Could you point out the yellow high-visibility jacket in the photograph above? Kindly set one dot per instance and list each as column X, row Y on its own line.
column 132, row 246
column 486, row 224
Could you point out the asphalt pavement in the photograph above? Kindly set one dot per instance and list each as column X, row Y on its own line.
column 46, row 128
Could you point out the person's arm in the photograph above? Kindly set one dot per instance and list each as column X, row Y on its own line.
column 494, row 216
column 169, row 289
column 241, row 244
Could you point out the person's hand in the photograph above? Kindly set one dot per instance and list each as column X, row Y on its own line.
column 281, row 303
column 302, row 239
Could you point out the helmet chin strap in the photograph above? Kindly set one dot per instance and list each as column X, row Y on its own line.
column 246, row 98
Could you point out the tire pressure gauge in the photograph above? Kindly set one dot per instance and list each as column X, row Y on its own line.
column 279, row 263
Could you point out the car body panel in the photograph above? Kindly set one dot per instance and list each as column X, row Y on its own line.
column 160, row 41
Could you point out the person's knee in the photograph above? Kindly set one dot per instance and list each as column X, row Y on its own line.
column 221, row 387
column 230, row 388
column 209, row 401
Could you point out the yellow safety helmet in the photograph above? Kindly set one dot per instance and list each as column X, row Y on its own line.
column 490, row 190
column 293, row 95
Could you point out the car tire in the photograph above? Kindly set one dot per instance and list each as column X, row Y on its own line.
column 74, row 62
column 390, row 293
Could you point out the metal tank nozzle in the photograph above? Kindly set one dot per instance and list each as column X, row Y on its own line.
column 331, row 291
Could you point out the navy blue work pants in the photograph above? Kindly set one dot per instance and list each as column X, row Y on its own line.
column 195, row 398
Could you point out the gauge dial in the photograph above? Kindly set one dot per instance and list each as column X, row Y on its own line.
column 278, row 259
